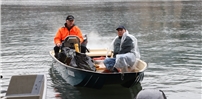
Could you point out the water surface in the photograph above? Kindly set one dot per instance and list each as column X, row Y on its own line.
column 168, row 32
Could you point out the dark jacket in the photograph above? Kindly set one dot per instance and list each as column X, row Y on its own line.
column 126, row 47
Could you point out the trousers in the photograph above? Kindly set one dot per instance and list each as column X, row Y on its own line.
column 109, row 63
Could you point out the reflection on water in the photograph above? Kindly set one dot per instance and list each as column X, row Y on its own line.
column 168, row 33
column 108, row 91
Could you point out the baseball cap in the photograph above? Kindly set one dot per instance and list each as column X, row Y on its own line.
column 120, row 27
column 70, row 17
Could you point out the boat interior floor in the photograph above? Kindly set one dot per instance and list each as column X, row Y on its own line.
column 138, row 67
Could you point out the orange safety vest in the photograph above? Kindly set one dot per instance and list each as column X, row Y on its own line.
column 63, row 32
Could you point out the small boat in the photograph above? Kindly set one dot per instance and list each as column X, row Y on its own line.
column 98, row 78
column 27, row 87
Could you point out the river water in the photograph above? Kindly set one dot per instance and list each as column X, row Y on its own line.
column 169, row 36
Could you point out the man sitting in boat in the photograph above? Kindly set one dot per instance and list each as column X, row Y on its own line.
column 125, row 51
column 69, row 29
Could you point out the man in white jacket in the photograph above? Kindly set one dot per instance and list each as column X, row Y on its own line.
column 125, row 51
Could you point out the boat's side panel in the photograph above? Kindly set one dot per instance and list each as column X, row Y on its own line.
column 85, row 78
column 96, row 80
column 79, row 77
column 21, row 80
column 131, row 82
column 71, row 76
column 27, row 87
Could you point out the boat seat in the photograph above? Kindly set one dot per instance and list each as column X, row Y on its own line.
column 99, row 52
column 70, row 41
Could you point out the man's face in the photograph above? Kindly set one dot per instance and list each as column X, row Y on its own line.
column 70, row 23
column 121, row 31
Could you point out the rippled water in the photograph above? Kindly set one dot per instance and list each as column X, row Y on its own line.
column 168, row 32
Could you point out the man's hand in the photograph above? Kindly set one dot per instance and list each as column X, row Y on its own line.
column 58, row 44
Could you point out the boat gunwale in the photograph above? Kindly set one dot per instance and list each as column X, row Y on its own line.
column 142, row 70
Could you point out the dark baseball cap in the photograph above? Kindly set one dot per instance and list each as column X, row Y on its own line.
column 121, row 27
column 70, row 17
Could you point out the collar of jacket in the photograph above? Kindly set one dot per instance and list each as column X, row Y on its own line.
column 70, row 27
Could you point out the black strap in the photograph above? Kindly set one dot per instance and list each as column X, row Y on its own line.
column 164, row 96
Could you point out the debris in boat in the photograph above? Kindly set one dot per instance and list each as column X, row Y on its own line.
column 114, row 70
column 97, row 66
column 57, row 95
column 99, row 58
